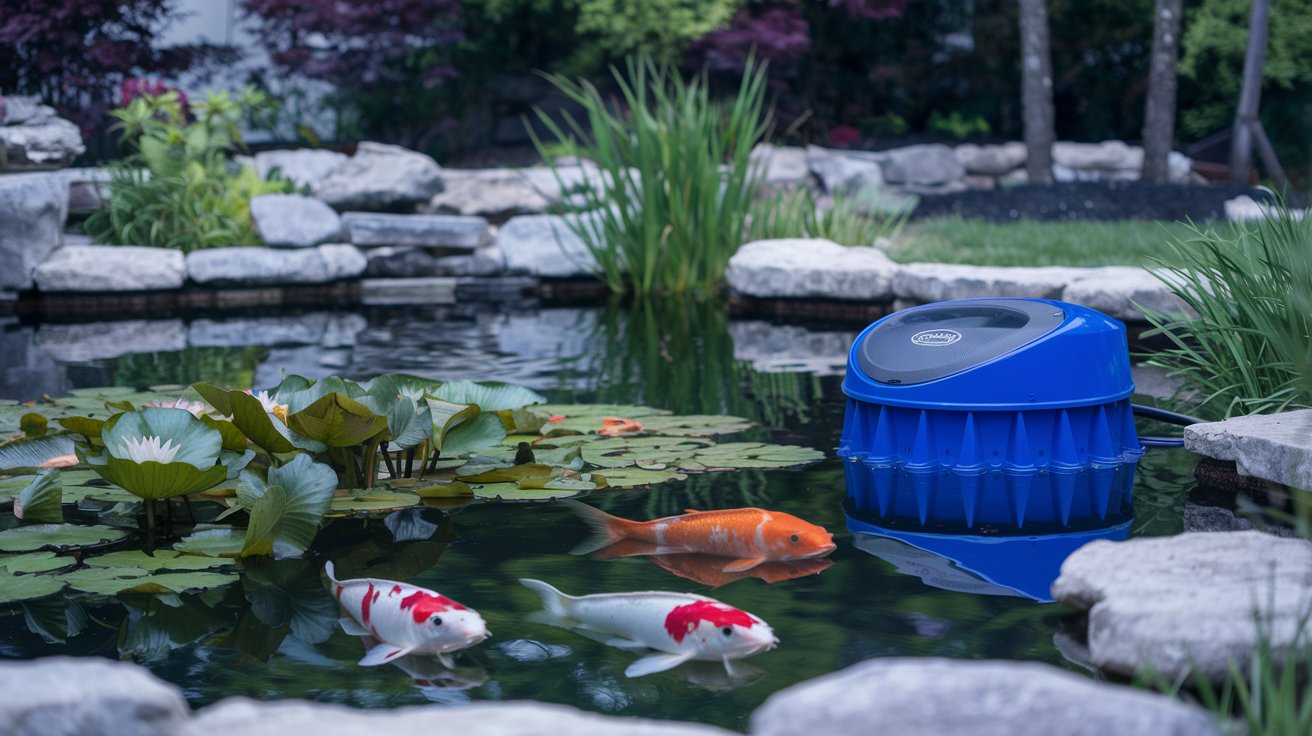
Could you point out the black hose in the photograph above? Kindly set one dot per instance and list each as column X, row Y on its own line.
column 1162, row 441
column 1162, row 415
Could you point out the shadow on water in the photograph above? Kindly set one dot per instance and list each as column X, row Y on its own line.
column 275, row 635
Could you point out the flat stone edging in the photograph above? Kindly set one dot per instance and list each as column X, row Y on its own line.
column 1274, row 447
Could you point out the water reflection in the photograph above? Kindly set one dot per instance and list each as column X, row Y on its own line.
column 708, row 570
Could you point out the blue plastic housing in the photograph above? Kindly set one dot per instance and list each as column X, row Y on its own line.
column 1039, row 433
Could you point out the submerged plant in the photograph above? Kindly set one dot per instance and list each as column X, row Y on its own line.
column 676, row 179
column 1247, row 348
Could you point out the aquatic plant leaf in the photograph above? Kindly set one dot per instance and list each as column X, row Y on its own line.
column 586, row 418
column 446, row 416
column 337, row 421
column 401, row 384
column 696, row 425
column 482, row 431
column 755, row 455
column 266, row 516
column 85, row 426
column 35, row 562
column 408, row 423
column 15, row 588
column 33, row 424
column 630, row 477
column 512, row 492
column 490, row 396
column 154, row 481
column 648, row 452
column 561, row 483
column 232, row 438
column 298, row 401
column 26, row 453
column 289, row 593
column 198, row 445
column 116, row 580
column 308, row 487
column 11, row 487
column 512, row 474
column 234, row 462
column 455, row 489
column 41, row 501
column 290, row 384
column 248, row 415
column 106, row 493
column 220, row 542
column 163, row 559
column 59, row 536
column 371, row 504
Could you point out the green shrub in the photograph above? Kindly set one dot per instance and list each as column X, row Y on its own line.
column 1249, row 350
column 797, row 215
column 676, row 179
column 959, row 126
column 176, row 190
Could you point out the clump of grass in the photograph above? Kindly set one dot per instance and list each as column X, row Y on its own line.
column 1249, row 349
column 796, row 214
column 676, row 180
column 1031, row 243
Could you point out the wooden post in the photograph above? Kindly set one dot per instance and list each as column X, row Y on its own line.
column 1248, row 127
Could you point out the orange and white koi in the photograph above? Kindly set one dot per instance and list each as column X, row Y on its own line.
column 749, row 536
column 405, row 619
column 680, row 626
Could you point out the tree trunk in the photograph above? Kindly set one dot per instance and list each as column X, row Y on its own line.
column 1159, row 110
column 1250, row 94
column 1036, row 90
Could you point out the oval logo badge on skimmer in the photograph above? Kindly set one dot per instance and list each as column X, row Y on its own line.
column 936, row 338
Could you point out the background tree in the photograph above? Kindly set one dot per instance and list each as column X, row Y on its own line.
column 1159, row 108
column 1036, row 91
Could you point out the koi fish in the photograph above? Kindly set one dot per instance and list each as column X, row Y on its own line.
column 750, row 536
column 680, row 626
column 405, row 619
column 709, row 570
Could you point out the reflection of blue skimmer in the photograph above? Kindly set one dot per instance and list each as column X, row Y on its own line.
column 1002, row 413
column 984, row 565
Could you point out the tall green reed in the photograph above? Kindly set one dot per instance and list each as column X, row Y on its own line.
column 1248, row 350
column 797, row 214
column 676, row 179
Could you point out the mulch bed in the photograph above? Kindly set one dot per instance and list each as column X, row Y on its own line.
column 1130, row 200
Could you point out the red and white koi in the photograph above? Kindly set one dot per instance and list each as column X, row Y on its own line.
column 680, row 626
column 405, row 619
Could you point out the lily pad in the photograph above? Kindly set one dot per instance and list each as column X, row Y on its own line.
column 60, row 536
column 115, row 580
column 40, row 501
column 35, row 562
column 630, row 477
column 371, row 504
column 648, row 452
column 15, row 588
column 336, row 420
column 485, row 430
column 755, row 455
column 512, row 492
column 29, row 453
column 220, row 542
column 163, row 559
column 696, row 425
column 307, row 488
column 490, row 396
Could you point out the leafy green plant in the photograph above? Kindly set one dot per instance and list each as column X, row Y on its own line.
column 676, row 182
column 796, row 214
column 957, row 125
column 175, row 189
column 1247, row 348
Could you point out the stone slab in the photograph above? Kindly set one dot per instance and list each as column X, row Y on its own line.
column 381, row 178
column 493, row 193
column 1189, row 603
column 33, row 208
column 369, row 229
column 546, row 246
column 811, row 268
column 294, row 221
column 432, row 290
column 947, row 697
column 782, row 165
column 87, row 696
column 260, row 266
column 42, row 145
column 1123, row 292
column 93, row 268
column 936, row 282
column 1275, row 447
column 304, row 167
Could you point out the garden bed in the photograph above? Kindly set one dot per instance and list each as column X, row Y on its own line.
column 1128, row 200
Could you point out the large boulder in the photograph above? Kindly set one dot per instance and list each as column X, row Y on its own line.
column 1276, row 447
column 400, row 262
column 1123, row 292
column 428, row 231
column 991, row 160
column 381, row 178
column 952, row 697
column 24, row 109
column 844, row 172
column 496, row 194
column 93, row 268
column 937, row 282
column 246, row 266
column 33, row 208
column 921, row 166
column 1197, row 602
column 34, row 138
column 304, row 167
column 294, row 221
column 546, row 245
column 87, row 696
column 810, row 268
column 783, row 166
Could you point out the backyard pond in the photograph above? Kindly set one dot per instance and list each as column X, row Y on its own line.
column 274, row 634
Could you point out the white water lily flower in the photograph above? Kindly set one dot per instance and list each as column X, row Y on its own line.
column 270, row 404
column 149, row 449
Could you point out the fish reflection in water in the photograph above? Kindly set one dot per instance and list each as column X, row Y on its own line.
column 708, row 570
column 438, row 682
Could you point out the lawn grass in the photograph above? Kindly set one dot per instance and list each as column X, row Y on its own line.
column 1031, row 243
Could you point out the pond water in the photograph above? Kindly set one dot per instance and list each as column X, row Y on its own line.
column 275, row 635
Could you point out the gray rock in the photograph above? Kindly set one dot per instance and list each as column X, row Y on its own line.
column 783, row 165
column 328, row 329
column 84, row 342
column 304, row 167
column 842, row 172
column 380, row 177
column 25, row 109
column 936, row 282
column 49, row 144
column 254, row 718
column 1107, row 156
column 926, row 165
column 497, row 194
column 546, row 246
column 1213, row 519
column 294, row 221
column 428, row 231
column 401, row 262
column 1123, row 292
column 1189, row 603
column 111, row 268
column 430, row 290
column 1150, row 380
column 991, row 160
column 1277, row 447
column 801, row 267
column 950, row 697
column 87, row 696
column 258, row 266
column 776, row 348
column 33, row 208
column 486, row 261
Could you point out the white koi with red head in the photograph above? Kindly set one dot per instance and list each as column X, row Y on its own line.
column 405, row 619
column 679, row 626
